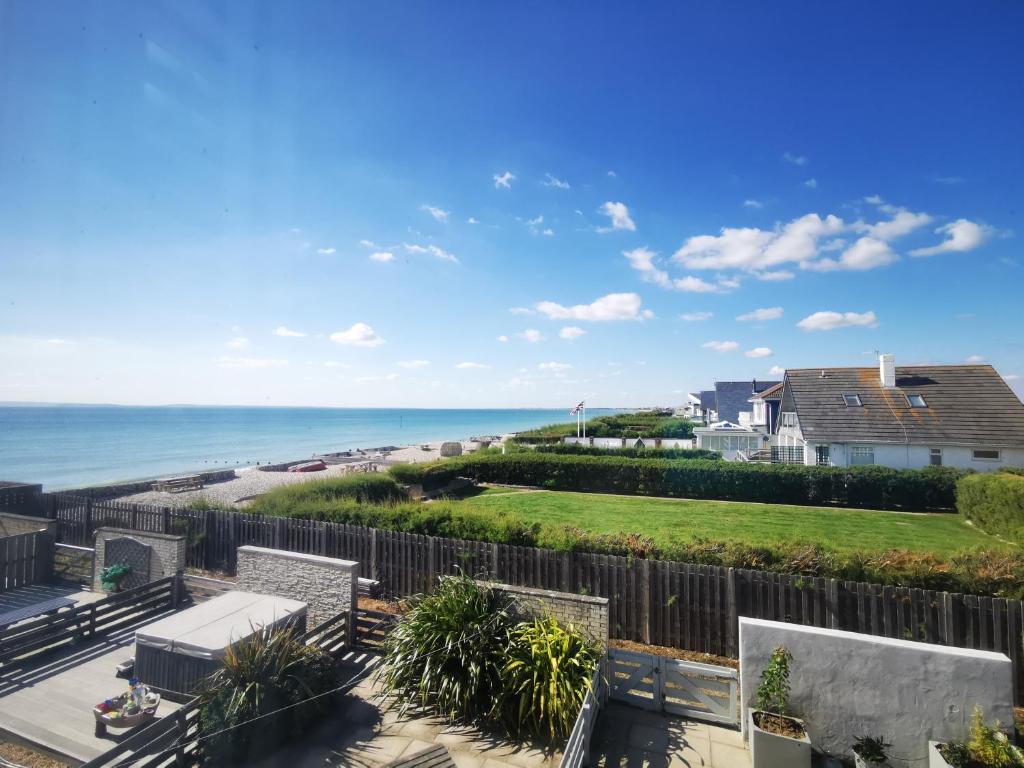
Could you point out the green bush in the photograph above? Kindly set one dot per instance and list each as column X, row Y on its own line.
column 546, row 677
column 445, row 655
column 373, row 488
column 994, row 502
column 986, row 747
column 639, row 424
column 572, row 449
column 868, row 487
column 440, row 475
column 268, row 671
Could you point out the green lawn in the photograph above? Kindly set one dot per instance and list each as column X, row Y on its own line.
column 670, row 521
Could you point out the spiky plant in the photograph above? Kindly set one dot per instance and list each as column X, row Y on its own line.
column 266, row 672
column 545, row 678
column 445, row 654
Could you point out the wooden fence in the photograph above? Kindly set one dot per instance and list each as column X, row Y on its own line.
column 682, row 605
column 577, row 747
column 25, row 559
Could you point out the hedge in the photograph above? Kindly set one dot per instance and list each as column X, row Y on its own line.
column 431, row 476
column 994, row 502
column 572, row 449
column 932, row 488
column 364, row 488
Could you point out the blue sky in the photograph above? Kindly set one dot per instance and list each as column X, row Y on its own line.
column 439, row 204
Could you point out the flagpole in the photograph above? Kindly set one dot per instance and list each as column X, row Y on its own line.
column 584, row 420
column 577, row 423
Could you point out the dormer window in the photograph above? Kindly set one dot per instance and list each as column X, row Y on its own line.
column 852, row 400
column 916, row 401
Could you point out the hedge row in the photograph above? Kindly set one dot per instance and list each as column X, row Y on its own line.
column 572, row 449
column 372, row 488
column 994, row 502
column 932, row 488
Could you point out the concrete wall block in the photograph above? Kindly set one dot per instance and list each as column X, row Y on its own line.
column 167, row 558
column 587, row 614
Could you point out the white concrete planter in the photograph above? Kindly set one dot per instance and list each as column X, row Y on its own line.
column 860, row 762
column 770, row 750
column 935, row 758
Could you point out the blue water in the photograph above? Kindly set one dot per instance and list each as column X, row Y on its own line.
column 67, row 446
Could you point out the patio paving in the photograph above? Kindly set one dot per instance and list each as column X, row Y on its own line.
column 627, row 737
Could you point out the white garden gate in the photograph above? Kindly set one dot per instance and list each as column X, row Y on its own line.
column 699, row 691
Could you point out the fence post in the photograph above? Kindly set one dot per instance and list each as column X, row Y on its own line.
column 87, row 535
column 732, row 613
column 177, row 589
column 833, row 604
column 373, row 555
column 645, row 600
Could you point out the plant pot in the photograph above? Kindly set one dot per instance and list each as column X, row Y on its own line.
column 860, row 762
column 771, row 750
column 935, row 758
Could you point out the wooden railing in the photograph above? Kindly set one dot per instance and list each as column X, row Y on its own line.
column 84, row 622
column 577, row 748
column 25, row 559
column 333, row 636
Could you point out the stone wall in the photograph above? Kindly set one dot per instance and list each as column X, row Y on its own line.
column 587, row 614
column 326, row 584
column 14, row 525
column 845, row 685
column 167, row 558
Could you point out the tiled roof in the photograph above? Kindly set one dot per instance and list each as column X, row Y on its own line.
column 965, row 405
column 731, row 397
column 707, row 399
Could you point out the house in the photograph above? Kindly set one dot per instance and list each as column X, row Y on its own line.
column 733, row 441
column 907, row 417
column 733, row 400
column 765, row 405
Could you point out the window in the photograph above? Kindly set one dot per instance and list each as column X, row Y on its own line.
column 916, row 401
column 821, row 456
column 935, row 457
column 789, row 419
column 852, row 401
column 986, row 455
column 861, row 455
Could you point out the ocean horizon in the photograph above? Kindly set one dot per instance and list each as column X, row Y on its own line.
column 68, row 445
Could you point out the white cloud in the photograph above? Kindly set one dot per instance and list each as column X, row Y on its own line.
column 760, row 315
column 472, row 366
column 751, row 203
column 503, row 338
column 554, row 366
column 721, row 346
column 642, row 260
column 759, row 352
column 438, row 213
column 504, row 180
column 433, row 250
column 696, row 317
column 534, row 224
column 472, row 220
column 976, row 359
column 284, row 332
column 614, row 306
column 251, row 362
column 368, row 243
column 811, row 183
column 414, row 363
column 532, row 335
column 961, row 235
column 552, row 181
column 828, row 321
column 549, row 232
column 325, row 251
column 382, row 256
column 903, row 222
column 776, row 370
column 691, row 284
column 794, row 159
column 1011, row 377
column 236, row 343
column 612, row 174
column 619, row 215
column 571, row 332
column 359, row 335
column 774, row 275
column 521, row 311
column 866, row 253
column 874, row 199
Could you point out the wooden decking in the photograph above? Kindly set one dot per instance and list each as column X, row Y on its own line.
column 49, row 700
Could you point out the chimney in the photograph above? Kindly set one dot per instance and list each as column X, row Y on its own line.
column 887, row 370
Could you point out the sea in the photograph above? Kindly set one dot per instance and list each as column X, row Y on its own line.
column 71, row 446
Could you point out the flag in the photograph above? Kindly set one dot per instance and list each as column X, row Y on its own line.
column 577, row 409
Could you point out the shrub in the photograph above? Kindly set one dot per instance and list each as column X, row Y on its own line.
column 640, row 424
column 870, row 487
column 431, row 475
column 572, row 449
column 986, row 747
column 773, row 690
column 545, row 677
column 372, row 487
column 994, row 502
column 264, row 673
column 445, row 655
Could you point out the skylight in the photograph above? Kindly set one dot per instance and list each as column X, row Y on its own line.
column 917, row 401
column 852, row 401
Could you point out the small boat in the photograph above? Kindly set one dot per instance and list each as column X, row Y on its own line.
column 122, row 711
column 308, row 466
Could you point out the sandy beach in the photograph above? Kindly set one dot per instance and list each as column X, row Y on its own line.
column 250, row 482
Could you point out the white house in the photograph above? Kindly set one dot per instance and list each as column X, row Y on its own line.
column 908, row 417
column 731, row 439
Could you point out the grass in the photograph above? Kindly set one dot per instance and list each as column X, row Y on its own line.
column 677, row 521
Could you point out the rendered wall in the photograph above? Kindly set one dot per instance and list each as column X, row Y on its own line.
column 13, row 524
column 168, row 556
column 845, row 685
column 585, row 613
column 327, row 585
column 918, row 456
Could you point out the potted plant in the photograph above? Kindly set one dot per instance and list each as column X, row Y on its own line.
column 777, row 740
column 870, row 752
column 112, row 576
column 987, row 746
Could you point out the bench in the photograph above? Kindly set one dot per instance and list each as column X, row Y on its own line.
column 178, row 484
column 37, row 609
